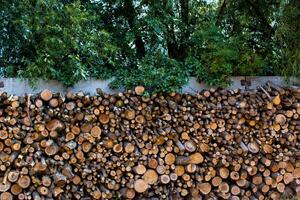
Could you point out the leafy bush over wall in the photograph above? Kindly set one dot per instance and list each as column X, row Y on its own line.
column 157, row 73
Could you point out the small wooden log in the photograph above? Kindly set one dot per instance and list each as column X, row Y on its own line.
column 52, row 149
column 276, row 100
column 140, row 185
column 53, row 103
column 70, row 106
column 55, row 125
column 164, row 179
column 288, row 178
column 235, row 190
column 3, row 134
column 118, row 148
column 253, row 147
column 24, row 181
column 127, row 193
column 4, row 185
column 139, row 90
column 6, row 196
column 191, row 168
column 190, row 146
column 46, row 181
column 257, row 180
column 59, row 179
column 265, row 188
column 43, row 190
column 97, row 194
column 13, row 176
column 150, row 176
column 296, row 173
column 179, row 170
column 280, row 119
column 161, row 169
column 46, row 95
column 57, row 191
column 280, row 187
column 170, row 159
column 38, row 103
column 15, row 189
column 196, row 158
column 129, row 114
column 140, row 169
column 223, row 172
column 76, row 180
column 206, row 93
column 224, row 187
column 204, row 188
column 140, row 119
column 173, row 176
column 216, row 181
column 129, row 148
column 234, row 175
column 103, row 118
column 86, row 146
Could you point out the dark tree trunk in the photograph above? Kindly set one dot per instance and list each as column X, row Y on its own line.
column 140, row 46
column 221, row 12
column 184, row 4
column 130, row 14
column 176, row 46
column 173, row 50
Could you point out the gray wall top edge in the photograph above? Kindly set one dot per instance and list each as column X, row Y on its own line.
column 16, row 86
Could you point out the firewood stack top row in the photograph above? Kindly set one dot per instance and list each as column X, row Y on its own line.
column 218, row 144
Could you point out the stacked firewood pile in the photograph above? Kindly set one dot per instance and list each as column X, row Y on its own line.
column 218, row 144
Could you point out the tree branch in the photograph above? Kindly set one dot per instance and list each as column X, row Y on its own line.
column 269, row 29
column 221, row 12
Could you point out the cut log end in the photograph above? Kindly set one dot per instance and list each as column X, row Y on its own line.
column 139, row 90
column 204, row 188
column 140, row 185
column 24, row 181
column 46, row 95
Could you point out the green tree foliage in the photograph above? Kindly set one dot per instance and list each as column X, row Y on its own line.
column 288, row 34
column 58, row 41
column 250, row 24
column 211, row 55
column 155, row 43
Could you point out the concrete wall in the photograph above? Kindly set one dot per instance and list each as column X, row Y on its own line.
column 19, row 87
